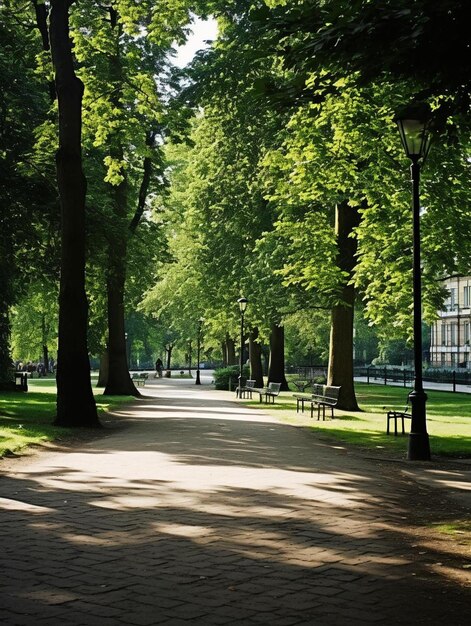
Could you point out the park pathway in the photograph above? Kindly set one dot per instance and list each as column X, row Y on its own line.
column 192, row 509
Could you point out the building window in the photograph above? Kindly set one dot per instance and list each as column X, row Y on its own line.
column 466, row 332
column 453, row 333
column 452, row 298
column 443, row 334
column 466, row 296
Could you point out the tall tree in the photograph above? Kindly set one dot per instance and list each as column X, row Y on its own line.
column 123, row 53
column 75, row 402
column 340, row 371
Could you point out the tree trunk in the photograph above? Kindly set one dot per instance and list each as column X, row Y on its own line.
column 46, row 359
column 75, row 402
column 224, row 354
column 6, row 368
column 276, row 365
column 104, row 369
column 230, row 351
column 189, row 357
column 44, row 343
column 168, row 351
column 119, row 381
column 41, row 11
column 255, row 355
column 340, row 372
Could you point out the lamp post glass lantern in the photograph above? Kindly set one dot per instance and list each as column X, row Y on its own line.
column 414, row 129
column 242, row 307
column 198, row 351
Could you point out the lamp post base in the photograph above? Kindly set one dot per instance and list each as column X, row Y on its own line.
column 419, row 447
column 197, row 381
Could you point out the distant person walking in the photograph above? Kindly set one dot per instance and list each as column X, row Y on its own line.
column 158, row 368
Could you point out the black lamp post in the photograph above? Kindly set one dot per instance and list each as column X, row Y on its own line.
column 414, row 129
column 198, row 350
column 242, row 307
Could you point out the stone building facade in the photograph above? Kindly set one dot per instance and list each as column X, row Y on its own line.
column 451, row 333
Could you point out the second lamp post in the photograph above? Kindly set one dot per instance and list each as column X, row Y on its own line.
column 415, row 136
column 242, row 307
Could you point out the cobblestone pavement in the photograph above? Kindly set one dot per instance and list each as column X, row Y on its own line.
column 191, row 508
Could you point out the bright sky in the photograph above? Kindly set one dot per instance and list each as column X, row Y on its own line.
column 201, row 31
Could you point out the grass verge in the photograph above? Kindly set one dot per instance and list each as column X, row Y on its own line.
column 27, row 418
column 448, row 421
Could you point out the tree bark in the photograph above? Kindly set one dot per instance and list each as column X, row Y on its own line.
column 340, row 371
column 276, row 364
column 6, row 368
column 168, row 351
column 255, row 355
column 230, row 351
column 145, row 184
column 45, row 349
column 119, row 381
column 189, row 357
column 75, row 402
column 104, row 367
column 41, row 11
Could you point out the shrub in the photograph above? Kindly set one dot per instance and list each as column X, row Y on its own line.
column 224, row 374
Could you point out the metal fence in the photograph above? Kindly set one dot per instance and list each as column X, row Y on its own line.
column 309, row 372
column 406, row 376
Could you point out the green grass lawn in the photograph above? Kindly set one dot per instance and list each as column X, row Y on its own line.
column 448, row 420
column 26, row 418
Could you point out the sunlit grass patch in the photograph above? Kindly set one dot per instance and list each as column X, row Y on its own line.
column 456, row 528
column 26, row 418
column 448, row 420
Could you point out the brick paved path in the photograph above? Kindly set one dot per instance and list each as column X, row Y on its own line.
column 196, row 510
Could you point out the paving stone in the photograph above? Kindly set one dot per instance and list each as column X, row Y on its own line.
column 201, row 511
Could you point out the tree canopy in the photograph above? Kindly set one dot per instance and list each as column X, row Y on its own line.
column 228, row 178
